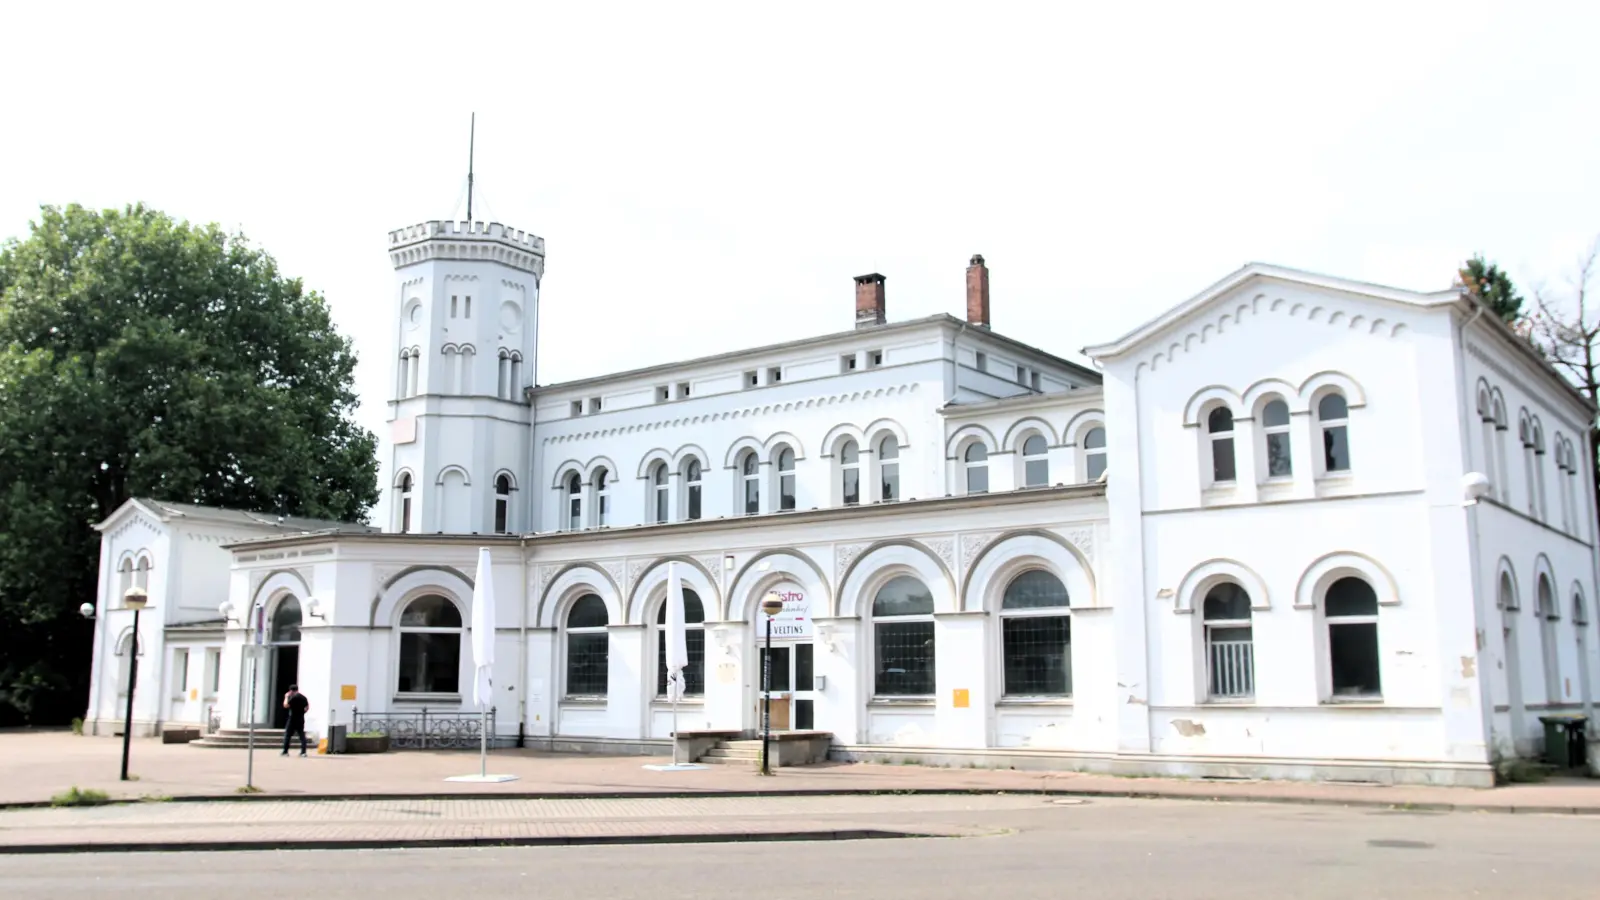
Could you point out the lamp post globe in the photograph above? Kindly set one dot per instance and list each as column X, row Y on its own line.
column 86, row 610
column 771, row 605
column 135, row 599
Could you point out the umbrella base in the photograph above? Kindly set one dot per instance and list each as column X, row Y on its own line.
column 676, row 767
column 482, row 779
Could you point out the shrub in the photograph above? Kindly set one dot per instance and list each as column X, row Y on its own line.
column 76, row 796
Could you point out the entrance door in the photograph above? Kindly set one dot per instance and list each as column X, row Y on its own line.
column 793, row 686
column 285, row 671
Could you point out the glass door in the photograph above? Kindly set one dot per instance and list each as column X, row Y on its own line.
column 793, row 683
column 805, row 717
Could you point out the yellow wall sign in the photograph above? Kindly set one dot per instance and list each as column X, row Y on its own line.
column 347, row 692
column 194, row 693
column 961, row 699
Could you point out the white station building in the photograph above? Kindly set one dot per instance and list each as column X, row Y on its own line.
column 1296, row 527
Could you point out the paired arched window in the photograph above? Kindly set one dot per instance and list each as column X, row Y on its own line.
column 405, row 502
column 750, row 482
column 1219, row 428
column 850, row 473
column 430, row 647
column 889, row 468
column 1350, row 611
column 458, row 368
column 1230, row 645
column 1333, row 420
column 588, row 648
column 124, row 578
column 1036, row 636
column 902, row 639
column 694, row 619
column 410, row 362
column 660, row 492
column 141, row 573
column 510, row 380
column 574, row 498
column 976, row 463
column 1094, row 454
column 693, row 472
column 502, row 504
column 1035, row 461
column 1275, row 433
column 786, row 485
column 602, row 497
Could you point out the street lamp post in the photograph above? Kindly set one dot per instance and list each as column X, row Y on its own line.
column 771, row 606
column 135, row 599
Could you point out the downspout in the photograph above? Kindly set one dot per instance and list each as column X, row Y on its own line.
column 1475, row 548
column 522, row 644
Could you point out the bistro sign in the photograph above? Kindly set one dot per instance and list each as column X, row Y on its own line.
column 794, row 623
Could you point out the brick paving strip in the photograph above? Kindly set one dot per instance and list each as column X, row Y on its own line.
column 411, row 822
column 34, row 766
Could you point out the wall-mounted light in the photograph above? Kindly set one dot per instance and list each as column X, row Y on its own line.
column 314, row 609
column 1474, row 487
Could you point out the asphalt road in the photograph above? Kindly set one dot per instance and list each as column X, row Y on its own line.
column 1099, row 848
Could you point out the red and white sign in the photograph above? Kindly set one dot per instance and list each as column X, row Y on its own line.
column 794, row 623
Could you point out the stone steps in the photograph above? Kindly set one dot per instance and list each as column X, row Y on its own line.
column 239, row 739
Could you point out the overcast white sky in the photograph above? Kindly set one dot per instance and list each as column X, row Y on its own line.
column 710, row 176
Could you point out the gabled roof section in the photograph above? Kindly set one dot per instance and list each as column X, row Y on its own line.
column 258, row 522
column 1258, row 272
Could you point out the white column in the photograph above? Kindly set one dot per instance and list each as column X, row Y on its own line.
column 625, row 681
column 840, row 702
column 962, row 696
column 540, row 681
column 725, row 675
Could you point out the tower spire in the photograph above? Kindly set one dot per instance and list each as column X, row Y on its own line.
column 472, row 136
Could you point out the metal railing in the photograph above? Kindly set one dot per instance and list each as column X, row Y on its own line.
column 1232, row 669
column 425, row 730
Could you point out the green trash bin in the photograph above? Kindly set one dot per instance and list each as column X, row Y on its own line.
column 1559, row 731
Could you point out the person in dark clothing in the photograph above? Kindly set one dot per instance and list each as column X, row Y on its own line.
column 297, row 704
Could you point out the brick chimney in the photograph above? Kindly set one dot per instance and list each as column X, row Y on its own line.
column 978, row 292
column 870, row 300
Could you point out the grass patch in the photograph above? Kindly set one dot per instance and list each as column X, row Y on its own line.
column 247, row 789
column 76, row 796
column 77, row 727
column 1520, row 771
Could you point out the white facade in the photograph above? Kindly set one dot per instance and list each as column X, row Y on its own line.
column 1251, row 544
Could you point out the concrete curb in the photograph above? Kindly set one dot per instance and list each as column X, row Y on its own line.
column 859, row 834
column 1114, row 793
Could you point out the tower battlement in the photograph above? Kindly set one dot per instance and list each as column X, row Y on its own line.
column 438, row 239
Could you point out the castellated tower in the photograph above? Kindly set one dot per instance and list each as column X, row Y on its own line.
column 466, row 297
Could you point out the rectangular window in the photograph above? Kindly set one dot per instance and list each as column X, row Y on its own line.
column 1230, row 659
column 694, row 501
column 588, row 664
column 977, row 479
column 847, row 363
column 594, row 404
column 852, row 486
column 750, row 380
column 500, row 516
column 780, row 669
column 180, row 674
column 661, row 504
column 903, row 659
column 1038, row 655
column 1036, row 381
column 982, row 364
column 804, row 667
column 1036, row 472
column 694, row 674
column 1278, row 463
column 430, row 663
column 1336, row 449
column 774, row 375
column 891, row 481
column 454, row 301
column 213, row 672
column 786, row 492
column 683, row 390
column 1022, row 375
column 1222, row 460
column 1094, row 465
column 405, row 515
column 752, row 496
column 577, row 407
column 604, row 507
column 1353, row 651
column 663, row 394
column 874, row 359
column 575, row 513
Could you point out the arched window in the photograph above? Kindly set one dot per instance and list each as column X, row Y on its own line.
column 403, row 375
column 786, row 494
column 1035, row 462
column 1036, row 636
column 750, row 482
column 574, row 502
column 1350, row 609
column 659, row 491
column 1094, row 454
column 850, row 473
column 1525, row 434
column 902, row 630
column 286, row 622
column 1538, row 472
column 516, row 376
column 976, row 461
column 141, row 573
column 588, row 648
column 1275, row 431
column 430, row 647
column 1580, row 614
column 1230, row 646
column 691, row 481
column 1333, row 418
column 1219, row 424
column 602, row 497
column 694, row 674
column 405, row 502
column 889, row 468
column 503, row 383
column 502, row 504
column 468, row 359
column 125, row 579
column 1549, row 648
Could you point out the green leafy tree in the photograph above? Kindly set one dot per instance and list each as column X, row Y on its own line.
column 1490, row 284
column 140, row 356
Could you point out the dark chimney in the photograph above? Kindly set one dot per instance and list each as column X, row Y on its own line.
column 870, row 300
column 978, row 292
